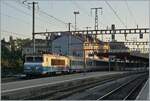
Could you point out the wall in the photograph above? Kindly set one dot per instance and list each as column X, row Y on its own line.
column 60, row 46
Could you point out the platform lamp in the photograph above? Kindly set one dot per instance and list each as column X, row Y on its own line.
column 75, row 13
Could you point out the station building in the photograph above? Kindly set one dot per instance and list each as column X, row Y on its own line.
column 68, row 45
column 76, row 45
column 41, row 45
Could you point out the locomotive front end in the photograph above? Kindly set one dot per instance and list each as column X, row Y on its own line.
column 33, row 65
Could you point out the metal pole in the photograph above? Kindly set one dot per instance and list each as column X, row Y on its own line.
column 87, row 28
column 84, row 58
column 33, row 24
column 109, row 63
column 69, row 44
column 84, row 49
column 69, row 39
column 75, row 23
column 33, row 27
column 96, row 17
column 69, row 26
column 75, row 13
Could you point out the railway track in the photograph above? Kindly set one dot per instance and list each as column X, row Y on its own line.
column 64, row 93
column 122, row 89
column 127, row 91
column 69, row 90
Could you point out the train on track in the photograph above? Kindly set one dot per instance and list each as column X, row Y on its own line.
column 45, row 64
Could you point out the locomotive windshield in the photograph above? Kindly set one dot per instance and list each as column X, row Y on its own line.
column 38, row 59
column 34, row 59
column 29, row 59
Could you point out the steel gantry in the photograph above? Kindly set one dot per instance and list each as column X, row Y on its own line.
column 113, row 31
column 100, row 32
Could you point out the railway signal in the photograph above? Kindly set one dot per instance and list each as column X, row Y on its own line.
column 141, row 35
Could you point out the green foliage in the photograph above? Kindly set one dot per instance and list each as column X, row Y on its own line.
column 12, row 60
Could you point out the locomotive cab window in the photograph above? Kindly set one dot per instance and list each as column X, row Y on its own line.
column 38, row 59
column 29, row 59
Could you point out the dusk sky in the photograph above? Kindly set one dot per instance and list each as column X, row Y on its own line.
column 16, row 19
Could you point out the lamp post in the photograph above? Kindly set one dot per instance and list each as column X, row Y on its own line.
column 109, row 63
column 87, row 28
column 75, row 13
column 84, row 45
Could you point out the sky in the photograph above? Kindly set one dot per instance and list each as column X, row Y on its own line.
column 16, row 18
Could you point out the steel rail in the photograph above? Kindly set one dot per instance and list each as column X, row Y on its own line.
column 114, row 90
column 131, row 92
column 79, row 88
column 65, row 92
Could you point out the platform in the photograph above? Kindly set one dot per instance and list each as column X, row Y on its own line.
column 29, row 89
column 5, row 87
column 144, row 93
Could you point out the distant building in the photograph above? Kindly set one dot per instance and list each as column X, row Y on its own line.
column 73, row 45
column 118, row 47
column 40, row 46
column 67, row 44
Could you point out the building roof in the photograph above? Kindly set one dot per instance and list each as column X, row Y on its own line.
column 54, row 37
column 81, row 37
column 117, row 45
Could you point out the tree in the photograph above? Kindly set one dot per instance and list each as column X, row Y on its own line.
column 12, row 60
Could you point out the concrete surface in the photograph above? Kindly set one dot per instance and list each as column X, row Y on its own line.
column 49, row 80
column 37, row 87
column 144, row 93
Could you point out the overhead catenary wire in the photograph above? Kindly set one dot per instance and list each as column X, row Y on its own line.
column 53, row 17
column 85, row 12
column 15, row 18
column 14, row 33
column 82, row 9
column 28, row 7
column 48, row 15
column 18, row 19
column 15, row 8
column 116, row 14
column 21, row 11
column 130, row 12
column 45, row 13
